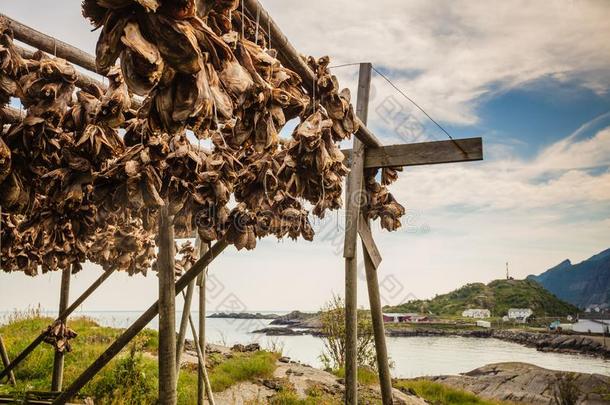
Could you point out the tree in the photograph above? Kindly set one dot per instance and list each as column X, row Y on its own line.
column 333, row 336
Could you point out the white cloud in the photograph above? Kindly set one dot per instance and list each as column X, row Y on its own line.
column 556, row 178
column 461, row 49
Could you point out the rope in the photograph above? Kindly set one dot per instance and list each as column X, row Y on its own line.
column 420, row 108
column 258, row 19
column 243, row 21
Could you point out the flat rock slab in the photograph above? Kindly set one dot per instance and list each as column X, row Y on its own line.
column 526, row 383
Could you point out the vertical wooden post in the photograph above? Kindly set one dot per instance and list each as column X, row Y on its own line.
column 58, row 361
column 167, row 310
column 201, row 282
column 354, row 201
column 383, row 365
column 6, row 362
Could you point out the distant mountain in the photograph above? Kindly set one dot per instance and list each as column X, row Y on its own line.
column 583, row 284
column 497, row 296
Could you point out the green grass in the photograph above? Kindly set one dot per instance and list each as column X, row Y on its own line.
column 366, row 375
column 130, row 378
column 315, row 396
column 242, row 367
column 439, row 394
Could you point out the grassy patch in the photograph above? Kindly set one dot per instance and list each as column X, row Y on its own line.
column 242, row 367
column 315, row 396
column 130, row 378
column 440, row 394
column 366, row 375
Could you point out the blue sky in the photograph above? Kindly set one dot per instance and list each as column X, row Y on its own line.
column 531, row 79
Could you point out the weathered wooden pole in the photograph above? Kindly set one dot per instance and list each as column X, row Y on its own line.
column 184, row 323
column 58, row 360
column 49, row 44
column 167, row 309
column 201, row 283
column 355, row 199
column 383, row 365
column 6, row 362
column 201, row 358
column 39, row 339
column 131, row 332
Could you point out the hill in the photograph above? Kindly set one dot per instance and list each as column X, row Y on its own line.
column 583, row 284
column 497, row 296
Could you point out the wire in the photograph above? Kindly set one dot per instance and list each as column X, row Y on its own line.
column 420, row 108
column 344, row 65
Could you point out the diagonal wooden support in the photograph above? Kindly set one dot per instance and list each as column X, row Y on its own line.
column 368, row 243
column 6, row 362
column 138, row 326
column 25, row 353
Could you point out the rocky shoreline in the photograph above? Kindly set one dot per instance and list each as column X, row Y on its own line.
column 545, row 342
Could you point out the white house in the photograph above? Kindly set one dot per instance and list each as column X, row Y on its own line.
column 520, row 314
column 476, row 313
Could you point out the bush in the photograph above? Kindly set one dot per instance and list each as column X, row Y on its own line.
column 333, row 337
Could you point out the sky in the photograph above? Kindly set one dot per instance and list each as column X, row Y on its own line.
column 531, row 78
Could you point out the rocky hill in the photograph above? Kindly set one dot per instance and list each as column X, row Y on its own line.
column 497, row 296
column 583, row 284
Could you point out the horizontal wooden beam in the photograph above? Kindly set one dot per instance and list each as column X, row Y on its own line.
column 425, row 153
column 50, row 45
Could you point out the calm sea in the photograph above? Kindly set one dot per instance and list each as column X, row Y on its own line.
column 412, row 356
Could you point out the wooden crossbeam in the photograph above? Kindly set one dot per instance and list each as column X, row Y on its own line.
column 423, row 153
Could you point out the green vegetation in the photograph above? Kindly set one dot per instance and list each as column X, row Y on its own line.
column 242, row 367
column 439, row 394
column 366, row 375
column 497, row 296
column 131, row 378
column 315, row 396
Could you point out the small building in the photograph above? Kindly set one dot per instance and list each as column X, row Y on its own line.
column 519, row 314
column 476, row 313
column 404, row 318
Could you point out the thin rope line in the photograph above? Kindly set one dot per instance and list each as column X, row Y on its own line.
column 344, row 65
column 258, row 19
column 420, row 108
column 243, row 21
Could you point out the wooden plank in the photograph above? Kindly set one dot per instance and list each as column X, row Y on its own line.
column 6, row 362
column 167, row 309
column 292, row 59
column 424, row 153
column 368, row 243
column 58, row 359
column 25, row 353
column 131, row 332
